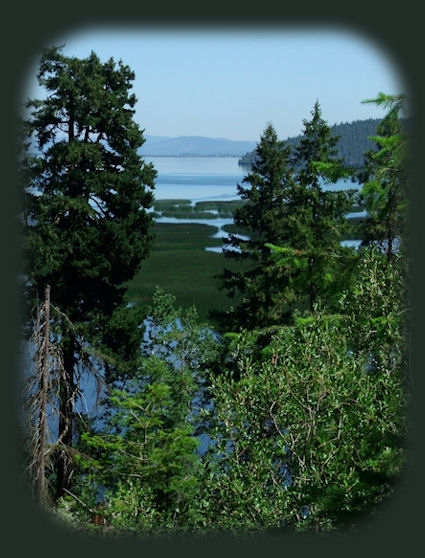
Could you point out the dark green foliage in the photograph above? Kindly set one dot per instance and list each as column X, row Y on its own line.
column 86, row 229
column 265, row 218
column 319, row 215
column 385, row 179
column 292, row 210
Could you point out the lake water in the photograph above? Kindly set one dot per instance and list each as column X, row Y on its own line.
column 197, row 178
column 204, row 178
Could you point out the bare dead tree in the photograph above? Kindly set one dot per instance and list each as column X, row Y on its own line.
column 38, row 393
column 47, row 392
column 41, row 477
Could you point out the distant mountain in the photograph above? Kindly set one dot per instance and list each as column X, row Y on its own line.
column 352, row 144
column 185, row 146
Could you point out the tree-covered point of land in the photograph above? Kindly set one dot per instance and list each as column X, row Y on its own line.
column 86, row 228
column 354, row 141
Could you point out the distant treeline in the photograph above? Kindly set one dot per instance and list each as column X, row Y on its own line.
column 351, row 147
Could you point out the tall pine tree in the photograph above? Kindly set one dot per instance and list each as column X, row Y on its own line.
column 385, row 178
column 265, row 219
column 291, row 209
column 86, row 227
column 319, row 214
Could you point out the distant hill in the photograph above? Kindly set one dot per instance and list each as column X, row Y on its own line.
column 352, row 144
column 185, row 146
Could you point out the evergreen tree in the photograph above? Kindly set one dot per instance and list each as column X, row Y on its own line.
column 385, row 178
column 266, row 219
column 293, row 210
column 319, row 214
column 85, row 221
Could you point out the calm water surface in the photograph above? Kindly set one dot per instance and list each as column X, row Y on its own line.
column 197, row 178
column 204, row 178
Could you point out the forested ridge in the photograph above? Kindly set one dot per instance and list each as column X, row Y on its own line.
column 299, row 389
column 353, row 141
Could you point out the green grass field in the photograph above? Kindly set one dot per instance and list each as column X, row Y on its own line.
column 180, row 265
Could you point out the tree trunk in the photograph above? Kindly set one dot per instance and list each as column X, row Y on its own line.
column 64, row 466
column 41, row 473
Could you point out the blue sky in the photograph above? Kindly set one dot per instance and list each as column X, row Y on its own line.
column 231, row 83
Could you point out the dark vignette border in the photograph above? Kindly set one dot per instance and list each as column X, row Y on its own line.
column 24, row 30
